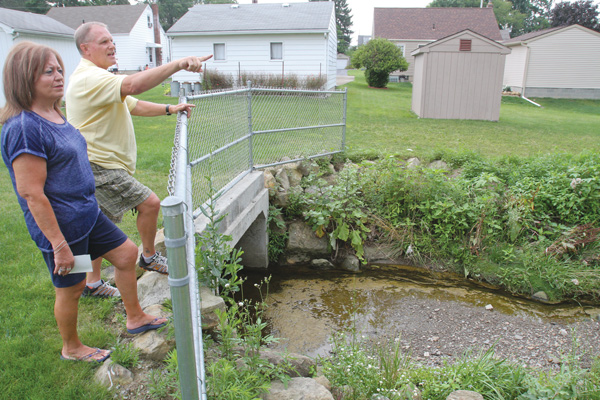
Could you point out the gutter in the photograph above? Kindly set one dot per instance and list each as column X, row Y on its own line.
column 525, row 76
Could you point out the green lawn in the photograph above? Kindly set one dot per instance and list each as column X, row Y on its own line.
column 378, row 121
column 381, row 120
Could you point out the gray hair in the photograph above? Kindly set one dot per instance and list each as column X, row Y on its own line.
column 83, row 32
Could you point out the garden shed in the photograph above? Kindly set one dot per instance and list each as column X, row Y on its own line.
column 459, row 77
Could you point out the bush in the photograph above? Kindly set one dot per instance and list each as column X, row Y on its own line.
column 215, row 80
column 379, row 57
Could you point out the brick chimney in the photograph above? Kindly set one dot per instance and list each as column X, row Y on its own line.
column 254, row 1
column 155, row 23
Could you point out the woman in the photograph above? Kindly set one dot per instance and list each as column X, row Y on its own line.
column 47, row 161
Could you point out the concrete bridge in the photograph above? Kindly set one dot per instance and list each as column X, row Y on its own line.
column 246, row 206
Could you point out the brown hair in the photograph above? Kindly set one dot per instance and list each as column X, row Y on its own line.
column 83, row 32
column 23, row 66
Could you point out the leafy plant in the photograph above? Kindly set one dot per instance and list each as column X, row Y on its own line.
column 277, row 233
column 380, row 57
column 338, row 211
column 216, row 261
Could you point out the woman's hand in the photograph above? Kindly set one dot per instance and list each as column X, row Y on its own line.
column 63, row 261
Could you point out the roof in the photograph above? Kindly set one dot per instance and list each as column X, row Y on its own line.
column 433, row 23
column 255, row 18
column 543, row 32
column 28, row 22
column 501, row 49
column 119, row 19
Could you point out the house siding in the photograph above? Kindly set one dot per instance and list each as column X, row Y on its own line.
column 515, row 68
column 567, row 59
column 331, row 53
column 303, row 54
column 453, row 84
column 64, row 46
column 409, row 47
column 132, row 53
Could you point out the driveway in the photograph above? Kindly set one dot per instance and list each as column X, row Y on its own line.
column 342, row 77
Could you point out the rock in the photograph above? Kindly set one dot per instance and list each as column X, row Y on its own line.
column 281, row 198
column 210, row 303
column 110, row 374
column 300, row 365
column 270, row 182
column 294, row 176
column 323, row 381
column 308, row 167
column 489, row 307
column 298, row 389
column 322, row 264
column 282, row 178
column 350, row 263
column 153, row 345
column 108, row 274
column 438, row 164
column 379, row 253
column 153, row 288
column 303, row 244
column 413, row 163
column 158, row 311
column 540, row 296
column 464, row 395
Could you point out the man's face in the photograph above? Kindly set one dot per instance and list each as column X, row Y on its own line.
column 100, row 48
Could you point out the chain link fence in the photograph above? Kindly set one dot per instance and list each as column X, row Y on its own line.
column 232, row 132
column 228, row 135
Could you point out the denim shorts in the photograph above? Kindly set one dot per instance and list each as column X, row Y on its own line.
column 104, row 237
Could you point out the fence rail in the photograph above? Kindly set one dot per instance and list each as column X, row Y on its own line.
column 228, row 135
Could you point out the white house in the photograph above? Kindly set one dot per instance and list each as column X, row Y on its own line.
column 561, row 62
column 291, row 39
column 18, row 26
column 138, row 36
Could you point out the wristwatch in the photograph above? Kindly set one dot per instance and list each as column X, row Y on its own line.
column 167, row 109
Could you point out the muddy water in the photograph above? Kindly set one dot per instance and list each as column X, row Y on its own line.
column 306, row 307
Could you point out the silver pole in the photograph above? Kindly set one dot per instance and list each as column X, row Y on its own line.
column 250, row 155
column 175, row 242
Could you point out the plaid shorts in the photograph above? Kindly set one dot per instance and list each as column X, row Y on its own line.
column 117, row 192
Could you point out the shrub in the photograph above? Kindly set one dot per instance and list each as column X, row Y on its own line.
column 215, row 80
column 379, row 57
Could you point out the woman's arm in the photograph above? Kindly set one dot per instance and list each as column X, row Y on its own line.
column 30, row 176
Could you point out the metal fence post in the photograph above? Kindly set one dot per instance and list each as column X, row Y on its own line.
column 250, row 124
column 175, row 242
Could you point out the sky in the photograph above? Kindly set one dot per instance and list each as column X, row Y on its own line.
column 362, row 11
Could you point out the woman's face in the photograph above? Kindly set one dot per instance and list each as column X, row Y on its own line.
column 50, row 86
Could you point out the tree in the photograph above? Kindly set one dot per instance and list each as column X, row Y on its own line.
column 508, row 17
column 343, row 22
column 582, row 12
column 537, row 14
column 379, row 57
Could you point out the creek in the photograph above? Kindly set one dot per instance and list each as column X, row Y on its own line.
column 434, row 314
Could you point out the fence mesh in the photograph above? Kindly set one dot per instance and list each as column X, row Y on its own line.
column 229, row 133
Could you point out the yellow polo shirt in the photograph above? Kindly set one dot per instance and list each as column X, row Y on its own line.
column 95, row 107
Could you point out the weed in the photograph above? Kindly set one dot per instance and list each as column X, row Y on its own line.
column 125, row 354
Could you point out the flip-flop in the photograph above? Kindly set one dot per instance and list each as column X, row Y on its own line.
column 148, row 327
column 88, row 357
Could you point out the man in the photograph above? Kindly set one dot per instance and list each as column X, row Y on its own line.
column 100, row 105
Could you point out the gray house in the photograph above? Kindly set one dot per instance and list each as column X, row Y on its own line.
column 291, row 39
column 459, row 77
column 18, row 26
column 561, row 62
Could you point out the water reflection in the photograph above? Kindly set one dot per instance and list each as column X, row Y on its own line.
column 307, row 306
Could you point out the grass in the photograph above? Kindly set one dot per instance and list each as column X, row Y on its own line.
column 379, row 121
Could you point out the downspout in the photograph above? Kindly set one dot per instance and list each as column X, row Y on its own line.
column 525, row 77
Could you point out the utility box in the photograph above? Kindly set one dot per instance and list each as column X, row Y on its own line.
column 459, row 77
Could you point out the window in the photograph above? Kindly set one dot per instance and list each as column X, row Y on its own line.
column 219, row 51
column 276, row 51
column 401, row 47
column 465, row 45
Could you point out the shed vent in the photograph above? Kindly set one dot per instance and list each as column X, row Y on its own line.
column 465, row 45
